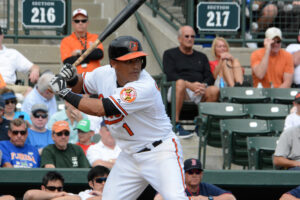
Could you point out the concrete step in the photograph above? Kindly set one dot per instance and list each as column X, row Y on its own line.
column 166, row 3
column 96, row 25
column 93, row 10
column 85, row 1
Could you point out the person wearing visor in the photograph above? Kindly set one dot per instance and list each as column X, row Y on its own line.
column 74, row 45
column 52, row 188
column 96, row 177
column 133, row 110
column 62, row 154
column 272, row 66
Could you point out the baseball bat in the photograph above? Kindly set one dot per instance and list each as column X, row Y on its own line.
column 110, row 28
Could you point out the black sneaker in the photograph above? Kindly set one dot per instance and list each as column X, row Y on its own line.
column 181, row 133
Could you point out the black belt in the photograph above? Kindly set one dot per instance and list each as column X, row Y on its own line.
column 154, row 144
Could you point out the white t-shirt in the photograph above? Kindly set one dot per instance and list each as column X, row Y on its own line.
column 102, row 152
column 85, row 194
column 143, row 118
column 292, row 48
column 291, row 120
column 12, row 61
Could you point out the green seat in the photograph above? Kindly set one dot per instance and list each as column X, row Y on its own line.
column 267, row 110
column 234, row 133
column 260, row 152
column 281, row 95
column 243, row 95
column 276, row 126
column 208, row 120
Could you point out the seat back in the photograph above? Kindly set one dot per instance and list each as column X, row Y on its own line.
column 243, row 95
column 260, row 152
column 276, row 126
column 267, row 110
column 234, row 133
column 281, row 95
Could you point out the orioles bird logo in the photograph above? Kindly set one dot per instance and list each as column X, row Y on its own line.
column 133, row 46
column 128, row 94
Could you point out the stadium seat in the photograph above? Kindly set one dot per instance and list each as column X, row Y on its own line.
column 243, row 95
column 260, row 152
column 281, row 95
column 276, row 126
column 208, row 119
column 234, row 133
column 267, row 110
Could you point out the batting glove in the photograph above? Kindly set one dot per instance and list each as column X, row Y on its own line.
column 59, row 86
column 68, row 72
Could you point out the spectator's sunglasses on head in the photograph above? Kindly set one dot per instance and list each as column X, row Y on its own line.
column 80, row 20
column 194, row 171
column 17, row 132
column 53, row 188
column 66, row 133
column 42, row 115
column 189, row 36
column 12, row 101
column 100, row 180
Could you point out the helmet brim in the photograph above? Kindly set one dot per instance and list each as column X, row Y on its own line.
column 132, row 55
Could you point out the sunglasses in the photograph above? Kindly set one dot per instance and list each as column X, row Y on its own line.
column 13, row 101
column 80, row 20
column 277, row 41
column 66, row 133
column 100, row 180
column 189, row 36
column 44, row 116
column 17, row 132
column 195, row 171
column 53, row 188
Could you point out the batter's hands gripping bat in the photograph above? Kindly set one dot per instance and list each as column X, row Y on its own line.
column 114, row 25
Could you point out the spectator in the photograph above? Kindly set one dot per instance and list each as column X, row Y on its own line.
column 105, row 152
column 10, row 109
column 287, row 153
column 293, row 119
column 61, row 154
column 38, row 135
column 72, row 116
column 52, row 188
column 194, row 186
column 78, row 42
column 4, row 123
column 190, row 69
column 40, row 94
column 225, row 66
column 17, row 154
column 85, row 134
column 294, row 49
column 96, row 178
column 293, row 194
column 271, row 65
column 13, row 61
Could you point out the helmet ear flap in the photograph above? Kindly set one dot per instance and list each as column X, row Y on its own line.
column 144, row 62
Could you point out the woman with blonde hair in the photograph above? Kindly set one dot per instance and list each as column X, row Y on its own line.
column 225, row 66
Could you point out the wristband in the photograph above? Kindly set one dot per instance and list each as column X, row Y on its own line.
column 73, row 81
column 73, row 99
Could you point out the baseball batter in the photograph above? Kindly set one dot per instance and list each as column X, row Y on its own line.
column 133, row 109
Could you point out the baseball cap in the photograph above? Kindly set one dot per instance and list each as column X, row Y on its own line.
column 39, row 107
column 60, row 126
column 8, row 95
column 79, row 11
column 2, row 102
column 192, row 163
column 84, row 125
column 273, row 32
column 297, row 98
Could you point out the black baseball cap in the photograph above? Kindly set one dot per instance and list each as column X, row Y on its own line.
column 297, row 98
column 192, row 163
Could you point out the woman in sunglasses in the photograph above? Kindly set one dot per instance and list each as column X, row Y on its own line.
column 10, row 109
column 225, row 67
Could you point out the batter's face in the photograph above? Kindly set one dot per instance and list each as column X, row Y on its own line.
column 127, row 71
column 193, row 177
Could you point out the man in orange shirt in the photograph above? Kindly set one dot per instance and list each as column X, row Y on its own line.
column 74, row 45
column 271, row 65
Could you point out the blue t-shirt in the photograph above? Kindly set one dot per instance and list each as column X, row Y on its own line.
column 207, row 189
column 38, row 139
column 20, row 157
column 23, row 115
column 295, row 192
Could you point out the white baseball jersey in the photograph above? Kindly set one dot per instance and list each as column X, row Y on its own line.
column 149, row 122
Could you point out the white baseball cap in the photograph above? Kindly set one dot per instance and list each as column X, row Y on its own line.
column 273, row 32
column 80, row 11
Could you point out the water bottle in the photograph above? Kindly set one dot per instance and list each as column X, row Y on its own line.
column 259, row 85
column 271, row 85
column 221, row 84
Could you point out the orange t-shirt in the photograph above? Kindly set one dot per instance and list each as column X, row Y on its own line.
column 277, row 66
column 71, row 43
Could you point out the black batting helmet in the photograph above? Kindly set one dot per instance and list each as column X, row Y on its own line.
column 126, row 48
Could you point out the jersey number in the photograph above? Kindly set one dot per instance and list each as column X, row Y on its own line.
column 128, row 129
